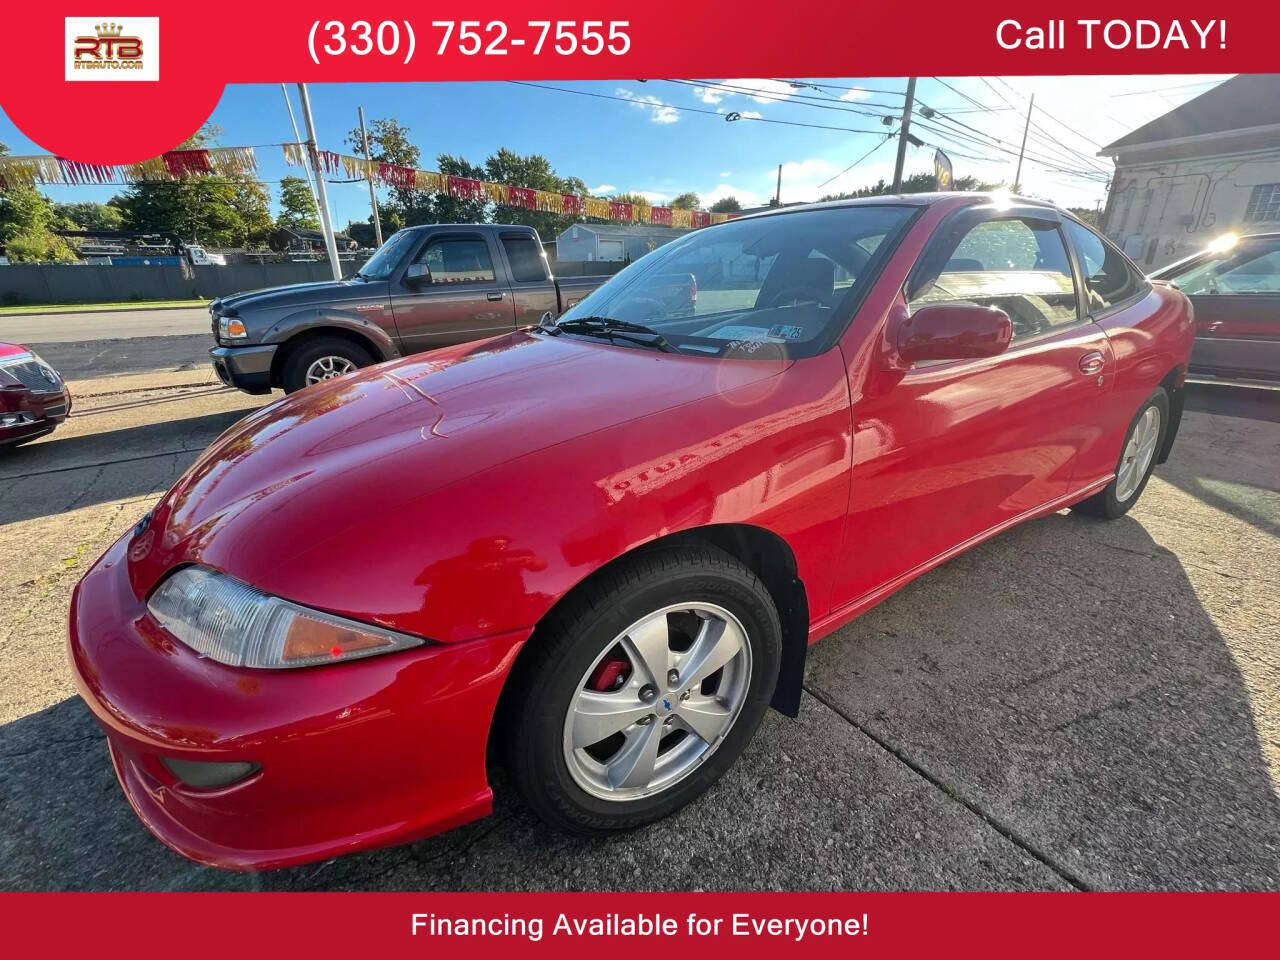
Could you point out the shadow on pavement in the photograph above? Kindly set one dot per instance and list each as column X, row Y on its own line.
column 1065, row 678
column 49, row 477
column 1062, row 678
column 99, row 358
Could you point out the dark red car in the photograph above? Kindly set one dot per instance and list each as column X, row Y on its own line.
column 606, row 544
column 33, row 398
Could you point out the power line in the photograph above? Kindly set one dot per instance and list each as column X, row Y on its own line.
column 887, row 138
column 661, row 105
column 796, row 99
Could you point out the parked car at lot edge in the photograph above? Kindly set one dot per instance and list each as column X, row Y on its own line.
column 1234, row 288
column 606, row 544
column 426, row 287
column 33, row 398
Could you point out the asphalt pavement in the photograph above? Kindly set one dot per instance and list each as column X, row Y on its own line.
column 1072, row 705
column 102, row 325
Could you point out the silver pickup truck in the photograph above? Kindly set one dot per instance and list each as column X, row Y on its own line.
column 426, row 287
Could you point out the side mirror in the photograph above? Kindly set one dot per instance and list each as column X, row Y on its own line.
column 953, row 331
column 418, row 275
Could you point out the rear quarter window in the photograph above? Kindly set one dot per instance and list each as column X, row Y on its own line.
column 1109, row 278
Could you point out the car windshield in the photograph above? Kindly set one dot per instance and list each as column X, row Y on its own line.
column 389, row 255
column 790, row 280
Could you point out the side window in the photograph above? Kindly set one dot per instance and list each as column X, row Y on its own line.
column 1248, row 268
column 525, row 256
column 1018, row 265
column 458, row 260
column 1108, row 277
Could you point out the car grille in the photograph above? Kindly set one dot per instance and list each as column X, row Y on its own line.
column 35, row 376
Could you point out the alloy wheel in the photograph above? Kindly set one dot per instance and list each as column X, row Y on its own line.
column 657, row 701
column 326, row 368
column 1138, row 453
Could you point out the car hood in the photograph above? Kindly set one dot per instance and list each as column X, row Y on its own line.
column 297, row 294
column 385, row 438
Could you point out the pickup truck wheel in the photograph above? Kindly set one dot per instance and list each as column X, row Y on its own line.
column 323, row 358
column 642, row 690
column 1142, row 444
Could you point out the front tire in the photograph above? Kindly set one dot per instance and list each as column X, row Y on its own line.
column 319, row 359
column 641, row 690
column 1142, row 446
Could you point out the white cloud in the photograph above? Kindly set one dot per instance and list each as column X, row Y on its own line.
column 662, row 113
column 652, row 196
column 708, row 94
column 726, row 173
column 751, row 115
column 761, row 91
column 602, row 189
column 748, row 198
column 856, row 95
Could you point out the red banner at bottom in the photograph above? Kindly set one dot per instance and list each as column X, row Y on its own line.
column 572, row 925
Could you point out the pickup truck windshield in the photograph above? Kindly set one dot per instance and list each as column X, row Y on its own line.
column 388, row 257
column 789, row 280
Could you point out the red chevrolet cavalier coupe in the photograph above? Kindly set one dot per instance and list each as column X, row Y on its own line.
column 605, row 543
column 33, row 398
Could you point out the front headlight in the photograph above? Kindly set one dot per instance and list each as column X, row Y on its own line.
column 231, row 328
column 231, row 622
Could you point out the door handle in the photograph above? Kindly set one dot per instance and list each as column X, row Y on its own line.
column 1091, row 363
column 495, row 295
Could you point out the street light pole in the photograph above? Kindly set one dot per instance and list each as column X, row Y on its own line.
column 293, row 122
column 326, row 224
column 902, row 134
column 373, row 195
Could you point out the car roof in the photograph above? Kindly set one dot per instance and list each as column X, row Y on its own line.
column 955, row 198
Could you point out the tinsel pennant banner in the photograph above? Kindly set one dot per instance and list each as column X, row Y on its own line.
column 520, row 197
column 660, row 216
column 395, row 176
column 241, row 161
column 187, row 163
column 464, row 188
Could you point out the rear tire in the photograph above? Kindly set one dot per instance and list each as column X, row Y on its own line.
column 617, row 650
column 321, row 358
column 1142, row 445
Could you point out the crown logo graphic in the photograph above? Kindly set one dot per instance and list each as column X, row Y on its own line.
column 105, row 29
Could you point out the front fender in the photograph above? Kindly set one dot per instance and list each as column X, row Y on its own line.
column 316, row 318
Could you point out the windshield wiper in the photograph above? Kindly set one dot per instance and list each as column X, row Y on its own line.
column 616, row 330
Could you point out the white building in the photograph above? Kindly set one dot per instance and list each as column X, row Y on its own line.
column 1208, row 167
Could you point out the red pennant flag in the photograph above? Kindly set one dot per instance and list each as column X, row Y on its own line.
column 661, row 216
column 185, row 163
column 701, row 219
column 518, row 196
column 464, row 188
column 620, row 211
column 394, row 175
column 572, row 204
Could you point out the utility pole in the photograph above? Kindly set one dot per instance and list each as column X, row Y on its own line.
column 777, row 196
column 326, row 224
column 373, row 195
column 1017, row 177
column 902, row 134
column 311, row 184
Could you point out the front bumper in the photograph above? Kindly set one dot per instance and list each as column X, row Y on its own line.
column 369, row 753
column 245, row 368
column 41, row 412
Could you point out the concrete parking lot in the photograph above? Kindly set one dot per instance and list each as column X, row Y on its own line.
column 1074, row 704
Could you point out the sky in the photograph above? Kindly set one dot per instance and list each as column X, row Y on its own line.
column 661, row 138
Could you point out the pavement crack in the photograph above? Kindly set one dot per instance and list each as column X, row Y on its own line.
column 1024, row 844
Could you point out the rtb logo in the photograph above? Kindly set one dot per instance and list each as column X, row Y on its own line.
column 111, row 49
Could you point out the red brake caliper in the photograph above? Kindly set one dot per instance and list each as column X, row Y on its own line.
column 609, row 674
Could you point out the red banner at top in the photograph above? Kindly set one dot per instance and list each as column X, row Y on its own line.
column 57, row 83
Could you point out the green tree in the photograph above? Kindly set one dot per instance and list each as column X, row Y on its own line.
column 389, row 143
column 726, row 205
column 27, row 222
column 1087, row 215
column 297, row 205
column 223, row 211
column 685, row 201
column 88, row 215
column 534, row 171
column 924, row 182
